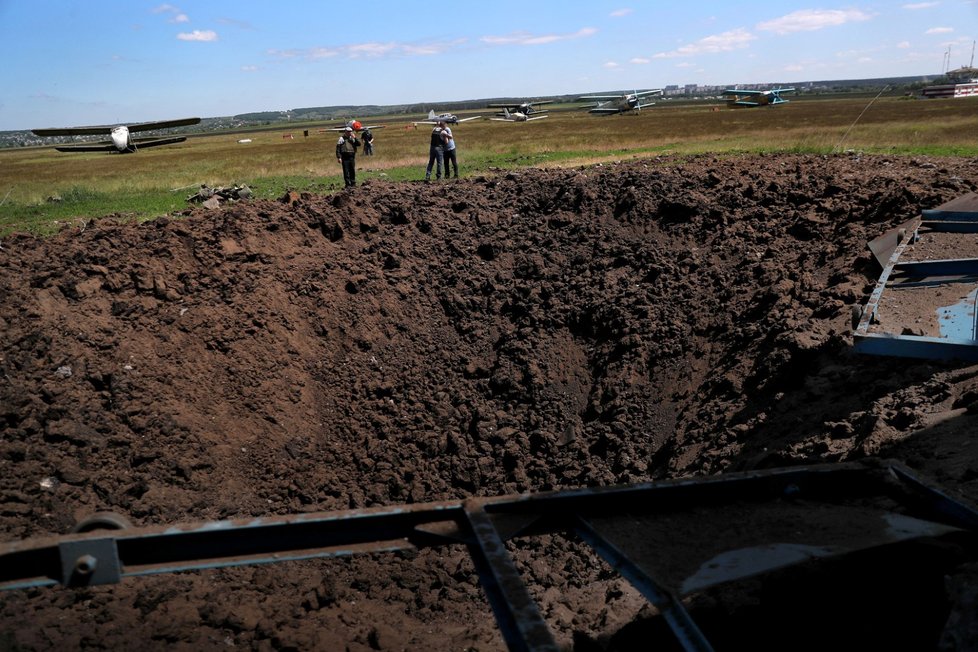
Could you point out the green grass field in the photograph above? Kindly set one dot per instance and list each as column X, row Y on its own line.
column 42, row 189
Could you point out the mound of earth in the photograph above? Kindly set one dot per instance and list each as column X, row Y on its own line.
column 407, row 343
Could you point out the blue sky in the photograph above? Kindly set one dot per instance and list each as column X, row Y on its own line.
column 114, row 61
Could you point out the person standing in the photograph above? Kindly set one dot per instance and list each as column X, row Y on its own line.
column 346, row 155
column 368, row 142
column 436, row 152
column 449, row 140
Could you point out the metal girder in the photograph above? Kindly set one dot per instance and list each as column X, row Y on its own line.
column 886, row 504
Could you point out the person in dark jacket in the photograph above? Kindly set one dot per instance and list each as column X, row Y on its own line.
column 436, row 152
column 368, row 142
column 346, row 155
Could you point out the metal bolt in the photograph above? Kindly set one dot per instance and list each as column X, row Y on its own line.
column 85, row 565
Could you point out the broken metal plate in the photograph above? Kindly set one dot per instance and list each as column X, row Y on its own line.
column 923, row 305
column 689, row 551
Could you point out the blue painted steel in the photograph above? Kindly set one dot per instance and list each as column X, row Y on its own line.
column 957, row 321
column 908, row 346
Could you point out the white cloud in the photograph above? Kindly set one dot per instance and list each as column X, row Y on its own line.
column 431, row 48
column 369, row 50
column 639, row 60
column 610, row 65
column 319, row 53
column 618, row 13
column 939, row 30
column 198, row 35
column 250, row 68
column 176, row 15
column 525, row 38
column 809, row 20
column 736, row 39
column 920, row 5
column 903, row 45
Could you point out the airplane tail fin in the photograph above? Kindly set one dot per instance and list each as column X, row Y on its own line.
column 431, row 114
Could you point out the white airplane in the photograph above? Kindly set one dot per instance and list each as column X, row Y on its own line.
column 517, row 116
column 526, row 108
column 450, row 118
column 743, row 97
column 612, row 104
column 120, row 135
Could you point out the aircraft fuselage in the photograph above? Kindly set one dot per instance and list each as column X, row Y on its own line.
column 121, row 139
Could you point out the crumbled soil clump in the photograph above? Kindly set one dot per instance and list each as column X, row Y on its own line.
column 405, row 343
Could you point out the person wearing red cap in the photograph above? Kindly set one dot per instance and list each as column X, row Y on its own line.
column 346, row 155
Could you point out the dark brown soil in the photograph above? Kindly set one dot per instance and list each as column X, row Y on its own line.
column 409, row 343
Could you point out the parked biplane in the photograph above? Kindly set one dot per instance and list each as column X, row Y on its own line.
column 517, row 116
column 744, row 97
column 121, row 139
column 450, row 118
column 355, row 125
column 612, row 104
column 526, row 108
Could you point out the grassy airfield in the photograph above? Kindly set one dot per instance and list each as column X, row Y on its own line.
column 41, row 189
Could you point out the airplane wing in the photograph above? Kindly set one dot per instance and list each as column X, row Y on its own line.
column 163, row 124
column 737, row 102
column 503, row 119
column 741, row 91
column 654, row 91
column 154, row 142
column 363, row 128
column 74, row 131
column 475, row 117
column 100, row 130
column 536, row 117
column 108, row 146
column 605, row 110
column 600, row 97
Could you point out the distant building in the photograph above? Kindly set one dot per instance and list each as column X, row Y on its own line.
column 967, row 89
column 966, row 74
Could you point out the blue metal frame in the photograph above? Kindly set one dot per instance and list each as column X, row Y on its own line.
column 959, row 322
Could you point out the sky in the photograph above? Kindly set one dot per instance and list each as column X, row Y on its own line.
column 95, row 62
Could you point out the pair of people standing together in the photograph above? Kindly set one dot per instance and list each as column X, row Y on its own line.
column 441, row 152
